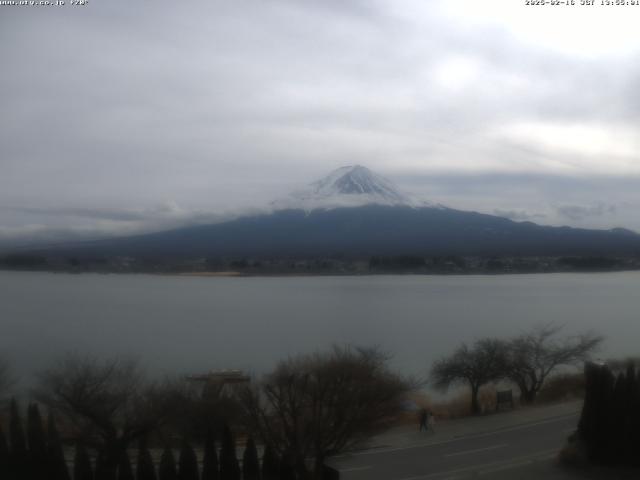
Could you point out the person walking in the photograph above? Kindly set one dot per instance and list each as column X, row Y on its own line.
column 431, row 421
column 424, row 419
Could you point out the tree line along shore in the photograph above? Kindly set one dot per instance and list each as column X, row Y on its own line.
column 328, row 265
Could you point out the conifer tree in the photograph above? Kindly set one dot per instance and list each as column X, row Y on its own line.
column 616, row 428
column 145, row 470
column 57, row 465
column 610, row 421
column 632, row 418
column 18, row 447
column 125, row 472
column 167, row 469
column 16, row 433
column 210, row 467
column 287, row 470
column 187, row 463
column 250, row 462
column 82, row 469
column 229, row 468
column 35, row 432
column 270, row 464
column 605, row 417
column 586, row 424
column 37, row 443
column 635, row 425
column 4, row 455
column 635, row 420
column 102, row 471
column 330, row 473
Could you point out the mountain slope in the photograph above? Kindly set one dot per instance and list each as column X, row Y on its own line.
column 357, row 213
column 364, row 231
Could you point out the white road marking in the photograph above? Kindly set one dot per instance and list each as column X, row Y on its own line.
column 467, row 452
column 355, row 469
column 487, row 467
column 518, row 463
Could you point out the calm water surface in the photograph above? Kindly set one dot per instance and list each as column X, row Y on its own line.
column 192, row 324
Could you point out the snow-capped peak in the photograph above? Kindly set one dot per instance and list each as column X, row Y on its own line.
column 356, row 180
column 350, row 186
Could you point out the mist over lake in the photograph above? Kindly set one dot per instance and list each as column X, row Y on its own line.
column 181, row 324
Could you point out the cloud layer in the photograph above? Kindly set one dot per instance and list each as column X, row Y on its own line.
column 114, row 108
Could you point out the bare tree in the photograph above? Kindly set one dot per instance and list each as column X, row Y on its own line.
column 318, row 405
column 476, row 366
column 108, row 402
column 534, row 355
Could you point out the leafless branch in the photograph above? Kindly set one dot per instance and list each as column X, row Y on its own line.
column 321, row 404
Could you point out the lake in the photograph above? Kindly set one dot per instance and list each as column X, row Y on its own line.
column 181, row 324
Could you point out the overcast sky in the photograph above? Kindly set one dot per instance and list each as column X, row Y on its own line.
column 120, row 116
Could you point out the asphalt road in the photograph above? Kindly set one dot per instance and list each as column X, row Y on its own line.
column 505, row 453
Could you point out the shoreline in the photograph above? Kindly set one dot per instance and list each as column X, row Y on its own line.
column 239, row 274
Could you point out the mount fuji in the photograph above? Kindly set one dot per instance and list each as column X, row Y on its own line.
column 356, row 213
column 350, row 186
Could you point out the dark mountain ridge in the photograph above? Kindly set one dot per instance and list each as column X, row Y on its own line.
column 361, row 232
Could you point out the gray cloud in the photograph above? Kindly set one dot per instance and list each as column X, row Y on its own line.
column 38, row 225
column 580, row 212
column 92, row 213
column 518, row 215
